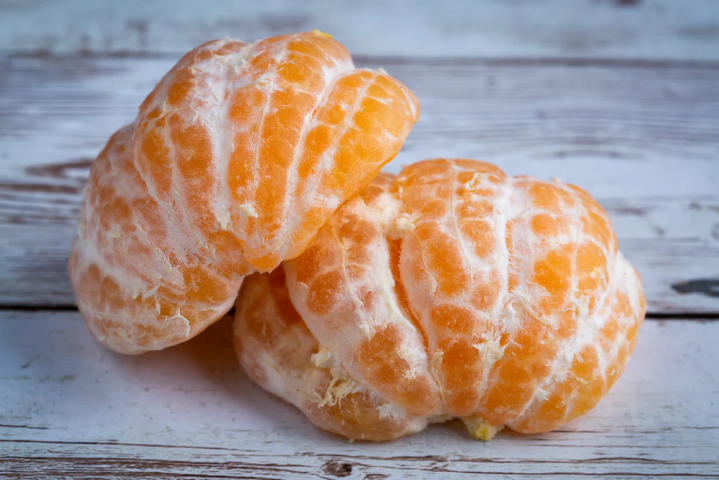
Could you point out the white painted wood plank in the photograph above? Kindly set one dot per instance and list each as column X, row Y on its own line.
column 642, row 139
column 492, row 28
column 70, row 408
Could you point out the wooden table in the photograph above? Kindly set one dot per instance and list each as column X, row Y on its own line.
column 620, row 97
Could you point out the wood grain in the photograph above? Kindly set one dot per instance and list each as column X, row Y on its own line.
column 618, row 96
column 657, row 29
column 69, row 408
column 642, row 138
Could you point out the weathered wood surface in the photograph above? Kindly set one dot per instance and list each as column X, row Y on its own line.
column 618, row 96
column 69, row 408
column 687, row 29
column 643, row 139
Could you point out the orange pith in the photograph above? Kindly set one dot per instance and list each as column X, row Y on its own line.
column 448, row 291
column 235, row 160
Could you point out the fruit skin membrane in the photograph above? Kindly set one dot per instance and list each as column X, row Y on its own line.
column 236, row 159
column 450, row 290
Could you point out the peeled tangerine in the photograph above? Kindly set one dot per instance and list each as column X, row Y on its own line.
column 451, row 290
column 236, row 159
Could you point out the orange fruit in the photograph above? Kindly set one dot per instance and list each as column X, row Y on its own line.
column 236, row 159
column 450, row 290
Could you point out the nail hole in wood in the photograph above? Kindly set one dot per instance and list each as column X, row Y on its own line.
column 337, row 468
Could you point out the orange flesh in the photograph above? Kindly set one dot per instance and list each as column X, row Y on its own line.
column 454, row 291
column 235, row 160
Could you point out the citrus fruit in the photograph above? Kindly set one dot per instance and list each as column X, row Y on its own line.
column 235, row 160
column 451, row 290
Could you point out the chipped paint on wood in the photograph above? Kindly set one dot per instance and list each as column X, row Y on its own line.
column 640, row 137
column 534, row 28
column 190, row 411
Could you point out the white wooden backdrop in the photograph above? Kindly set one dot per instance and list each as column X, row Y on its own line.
column 618, row 96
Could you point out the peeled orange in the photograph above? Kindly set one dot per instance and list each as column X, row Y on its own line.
column 448, row 291
column 236, row 159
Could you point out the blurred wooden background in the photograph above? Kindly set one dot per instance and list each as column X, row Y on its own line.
column 620, row 97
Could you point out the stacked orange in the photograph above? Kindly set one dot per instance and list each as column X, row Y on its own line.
column 234, row 161
column 448, row 291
